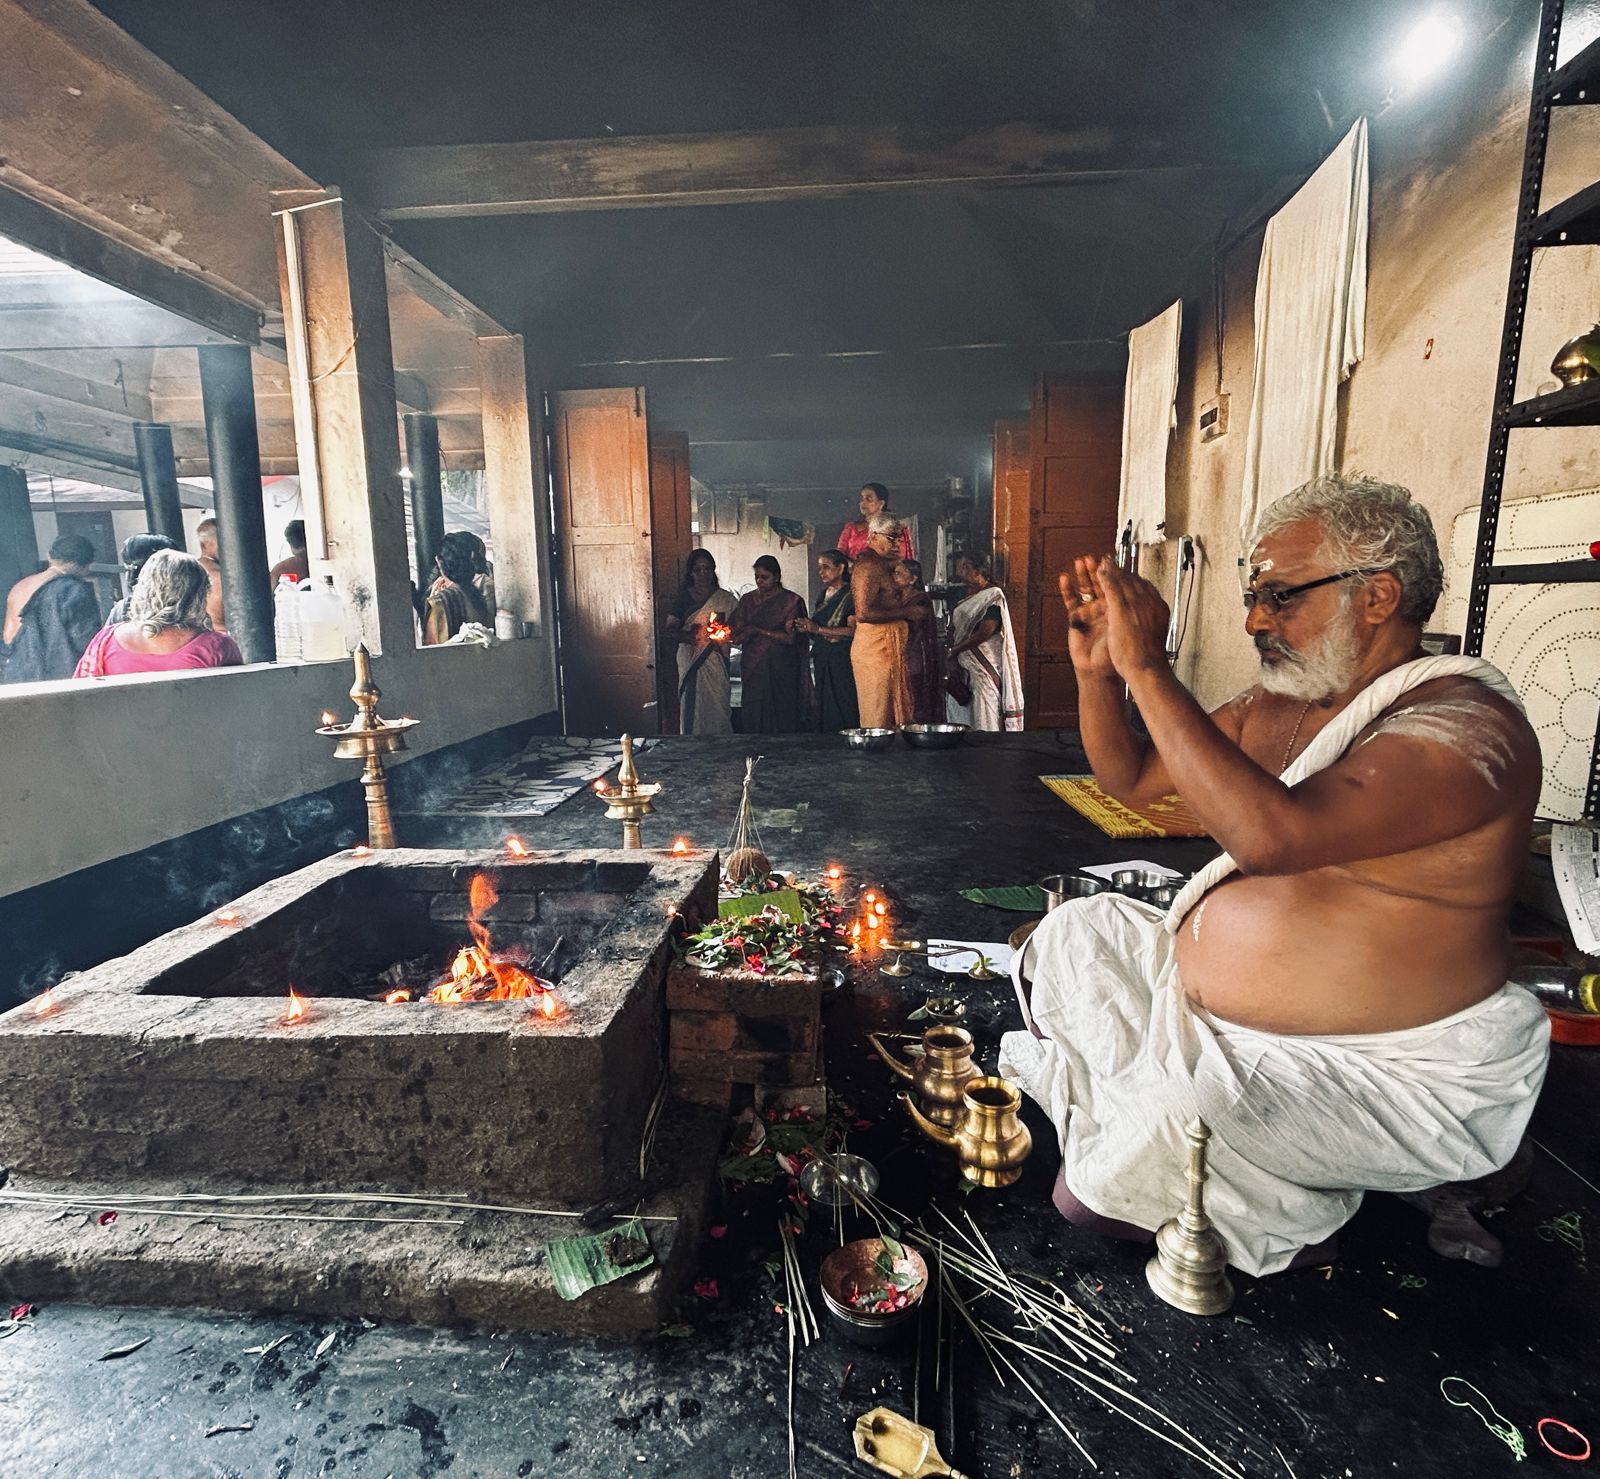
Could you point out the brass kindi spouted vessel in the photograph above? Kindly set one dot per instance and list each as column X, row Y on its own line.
column 990, row 1139
column 942, row 1074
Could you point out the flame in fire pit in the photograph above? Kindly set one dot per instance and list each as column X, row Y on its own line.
column 478, row 974
column 397, row 996
column 297, row 1007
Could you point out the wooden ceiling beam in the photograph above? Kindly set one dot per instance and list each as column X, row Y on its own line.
column 443, row 180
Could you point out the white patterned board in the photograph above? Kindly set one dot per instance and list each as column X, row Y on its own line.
column 1544, row 638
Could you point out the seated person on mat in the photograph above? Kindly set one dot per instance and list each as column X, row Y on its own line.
column 1329, row 995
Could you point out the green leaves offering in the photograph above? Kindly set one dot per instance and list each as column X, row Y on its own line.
column 741, row 906
column 1020, row 898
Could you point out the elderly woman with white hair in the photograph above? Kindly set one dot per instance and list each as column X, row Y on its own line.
column 167, row 630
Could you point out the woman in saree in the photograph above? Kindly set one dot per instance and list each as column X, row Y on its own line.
column 772, row 670
column 853, row 537
column 924, row 670
column 699, row 612
column 831, row 631
column 983, row 654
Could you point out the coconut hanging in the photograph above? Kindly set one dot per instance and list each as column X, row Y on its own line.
column 747, row 859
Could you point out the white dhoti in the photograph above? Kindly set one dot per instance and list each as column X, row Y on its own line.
column 1300, row 1126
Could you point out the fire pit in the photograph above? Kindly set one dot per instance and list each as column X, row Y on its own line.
column 462, row 1025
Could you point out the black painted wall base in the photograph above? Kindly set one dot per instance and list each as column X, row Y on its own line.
column 86, row 917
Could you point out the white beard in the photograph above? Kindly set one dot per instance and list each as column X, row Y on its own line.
column 1327, row 668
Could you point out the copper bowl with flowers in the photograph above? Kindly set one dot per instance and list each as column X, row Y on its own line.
column 873, row 1288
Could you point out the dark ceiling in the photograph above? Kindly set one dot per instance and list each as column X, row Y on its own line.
column 767, row 330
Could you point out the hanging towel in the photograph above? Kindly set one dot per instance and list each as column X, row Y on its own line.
column 1149, row 414
column 1311, row 306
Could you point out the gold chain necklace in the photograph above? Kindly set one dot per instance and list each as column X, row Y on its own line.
column 1293, row 737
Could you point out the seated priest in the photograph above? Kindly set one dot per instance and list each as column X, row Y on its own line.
column 1330, row 994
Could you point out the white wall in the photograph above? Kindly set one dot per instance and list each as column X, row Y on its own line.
column 95, row 769
column 1446, row 169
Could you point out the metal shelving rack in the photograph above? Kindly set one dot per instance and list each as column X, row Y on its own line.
column 1574, row 222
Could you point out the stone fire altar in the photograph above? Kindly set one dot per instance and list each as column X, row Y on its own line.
column 188, row 1067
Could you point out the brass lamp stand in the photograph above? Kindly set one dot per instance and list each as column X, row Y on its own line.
column 369, row 738
column 1190, row 1269
column 630, row 799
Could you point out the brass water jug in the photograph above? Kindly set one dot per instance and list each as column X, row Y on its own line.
column 945, row 1069
column 990, row 1139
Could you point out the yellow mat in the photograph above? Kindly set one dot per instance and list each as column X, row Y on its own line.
column 1168, row 817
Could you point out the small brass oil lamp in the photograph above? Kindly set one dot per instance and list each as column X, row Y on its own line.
column 1190, row 1267
column 369, row 738
column 630, row 799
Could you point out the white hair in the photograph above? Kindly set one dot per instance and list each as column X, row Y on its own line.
column 172, row 592
column 885, row 524
column 1368, row 525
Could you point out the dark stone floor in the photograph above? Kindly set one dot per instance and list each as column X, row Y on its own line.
column 1327, row 1372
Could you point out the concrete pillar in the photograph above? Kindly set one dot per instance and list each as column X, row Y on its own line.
column 341, row 373
column 158, row 474
column 515, row 476
column 19, row 546
column 427, row 491
column 228, row 399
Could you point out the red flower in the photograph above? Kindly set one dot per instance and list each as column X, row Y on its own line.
column 21, row 1311
column 718, row 1231
column 707, row 1289
column 737, row 940
column 107, row 1218
column 756, row 964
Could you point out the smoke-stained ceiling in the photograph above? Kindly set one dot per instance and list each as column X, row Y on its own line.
column 893, row 327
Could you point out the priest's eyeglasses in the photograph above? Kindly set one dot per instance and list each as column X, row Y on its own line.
column 1275, row 598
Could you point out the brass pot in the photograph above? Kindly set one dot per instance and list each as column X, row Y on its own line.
column 1577, row 360
column 991, row 1141
column 944, row 1072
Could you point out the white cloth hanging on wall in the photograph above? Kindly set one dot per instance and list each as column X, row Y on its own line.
column 1149, row 414
column 1311, row 308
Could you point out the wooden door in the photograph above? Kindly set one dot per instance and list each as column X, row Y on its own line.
column 600, row 471
column 1075, row 441
column 671, row 541
column 1012, row 524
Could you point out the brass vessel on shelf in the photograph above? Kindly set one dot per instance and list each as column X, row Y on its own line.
column 941, row 1076
column 990, row 1139
column 1577, row 362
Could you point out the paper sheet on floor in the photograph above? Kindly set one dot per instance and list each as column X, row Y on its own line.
column 957, row 957
column 1105, row 870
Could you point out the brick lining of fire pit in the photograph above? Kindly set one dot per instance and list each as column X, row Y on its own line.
column 175, row 1061
column 174, row 1069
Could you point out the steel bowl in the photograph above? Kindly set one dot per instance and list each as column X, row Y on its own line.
column 868, row 739
column 834, row 1181
column 934, row 736
column 1165, row 896
column 1138, row 883
column 1059, row 887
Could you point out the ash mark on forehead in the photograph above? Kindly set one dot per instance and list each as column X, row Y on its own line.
column 1469, row 728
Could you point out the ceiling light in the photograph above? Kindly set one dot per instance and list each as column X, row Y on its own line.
column 1427, row 48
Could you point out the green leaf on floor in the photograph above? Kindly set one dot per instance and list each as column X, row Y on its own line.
column 1022, row 898
column 785, row 900
column 583, row 1263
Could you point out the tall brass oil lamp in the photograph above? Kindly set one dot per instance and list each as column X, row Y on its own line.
column 369, row 738
column 1190, row 1267
column 630, row 799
